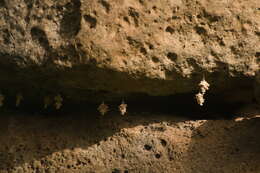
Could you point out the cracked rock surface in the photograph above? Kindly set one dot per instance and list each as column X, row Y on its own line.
column 116, row 48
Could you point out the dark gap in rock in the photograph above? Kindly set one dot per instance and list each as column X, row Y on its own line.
column 222, row 100
column 176, row 17
column 143, row 50
column 157, row 156
column 2, row 3
column 169, row 29
column 133, row 42
column 70, row 23
column 126, row 19
column 150, row 46
column 217, row 105
column 163, row 142
column 134, row 14
column 155, row 59
column 39, row 36
column 200, row 30
column 147, row 147
column 105, row 4
column 172, row 56
column 91, row 20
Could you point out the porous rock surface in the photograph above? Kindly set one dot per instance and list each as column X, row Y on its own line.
column 137, row 143
column 164, row 47
column 108, row 49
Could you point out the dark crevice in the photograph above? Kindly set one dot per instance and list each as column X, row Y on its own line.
column 225, row 96
column 163, row 142
column 2, row 3
column 126, row 19
column 70, row 23
column 135, row 15
column 215, row 107
column 257, row 54
column 155, row 59
column 147, row 147
column 143, row 50
column 91, row 21
column 133, row 42
column 106, row 5
column 169, row 29
column 9, row 63
column 39, row 36
column 200, row 30
column 172, row 56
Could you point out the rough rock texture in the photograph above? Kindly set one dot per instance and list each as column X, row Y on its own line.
column 80, row 47
column 144, row 143
column 151, row 53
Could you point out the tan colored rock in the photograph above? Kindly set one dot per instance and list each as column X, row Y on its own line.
column 128, row 46
column 139, row 143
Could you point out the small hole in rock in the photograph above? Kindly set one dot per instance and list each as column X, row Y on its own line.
column 147, row 147
column 169, row 29
column 175, row 17
column 106, row 5
column 163, row 142
column 91, row 20
column 173, row 56
column 155, row 59
column 199, row 16
column 200, row 30
column 151, row 46
column 143, row 50
column 157, row 156
column 126, row 19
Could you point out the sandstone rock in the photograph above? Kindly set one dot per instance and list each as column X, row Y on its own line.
column 139, row 143
column 78, row 48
